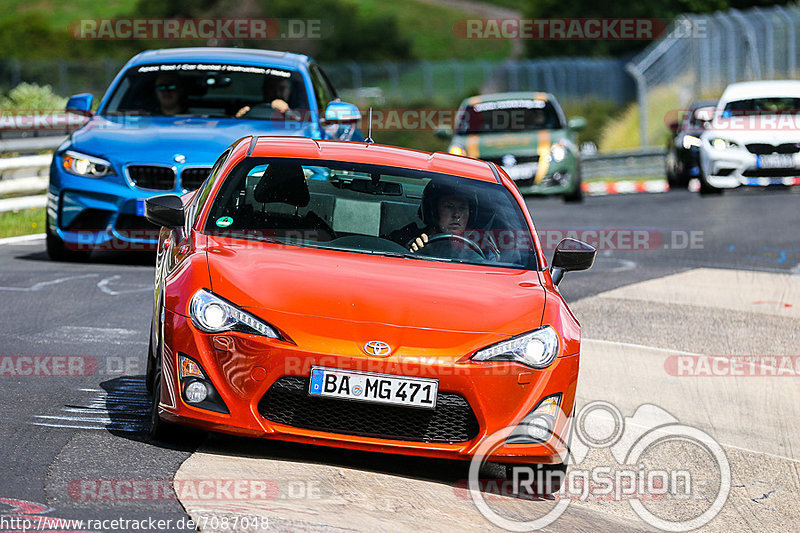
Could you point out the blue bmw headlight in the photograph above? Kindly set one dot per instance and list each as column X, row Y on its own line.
column 85, row 165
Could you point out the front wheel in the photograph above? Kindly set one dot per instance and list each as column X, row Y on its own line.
column 58, row 251
column 576, row 195
column 160, row 430
column 706, row 189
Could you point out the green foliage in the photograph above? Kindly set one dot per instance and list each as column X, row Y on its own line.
column 598, row 113
column 29, row 96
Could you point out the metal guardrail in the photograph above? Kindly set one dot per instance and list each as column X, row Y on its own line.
column 629, row 164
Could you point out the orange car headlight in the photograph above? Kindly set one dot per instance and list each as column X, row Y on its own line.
column 213, row 314
column 537, row 349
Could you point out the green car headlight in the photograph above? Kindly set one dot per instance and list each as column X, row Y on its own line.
column 558, row 153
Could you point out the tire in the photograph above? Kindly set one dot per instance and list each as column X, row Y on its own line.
column 160, row 431
column 576, row 196
column 148, row 380
column 707, row 189
column 553, row 476
column 57, row 250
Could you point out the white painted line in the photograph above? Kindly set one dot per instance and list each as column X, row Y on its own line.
column 103, row 286
column 41, row 284
column 631, row 345
column 22, row 238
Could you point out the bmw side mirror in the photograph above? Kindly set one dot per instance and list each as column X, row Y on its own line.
column 338, row 112
column 570, row 256
column 577, row 124
column 443, row 133
column 80, row 104
column 165, row 210
column 341, row 120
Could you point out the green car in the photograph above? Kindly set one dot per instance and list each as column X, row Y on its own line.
column 527, row 134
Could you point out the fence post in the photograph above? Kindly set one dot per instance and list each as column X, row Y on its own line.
column 394, row 76
column 723, row 20
column 427, row 78
column 355, row 70
column 750, row 38
column 791, row 61
column 769, row 42
column 641, row 96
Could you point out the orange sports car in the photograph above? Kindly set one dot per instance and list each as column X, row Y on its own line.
column 361, row 296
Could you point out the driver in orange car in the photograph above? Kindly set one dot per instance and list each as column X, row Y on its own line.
column 446, row 212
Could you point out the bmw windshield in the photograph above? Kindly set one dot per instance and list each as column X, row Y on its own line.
column 372, row 209
column 210, row 90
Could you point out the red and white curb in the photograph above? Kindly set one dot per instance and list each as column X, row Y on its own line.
column 601, row 188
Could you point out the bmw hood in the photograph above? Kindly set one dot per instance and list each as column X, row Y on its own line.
column 158, row 139
column 308, row 292
column 756, row 129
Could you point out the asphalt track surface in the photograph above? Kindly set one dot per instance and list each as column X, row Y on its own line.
column 62, row 435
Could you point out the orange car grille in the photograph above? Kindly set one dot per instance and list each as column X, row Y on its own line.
column 287, row 402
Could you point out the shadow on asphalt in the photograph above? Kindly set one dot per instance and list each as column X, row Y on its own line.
column 108, row 258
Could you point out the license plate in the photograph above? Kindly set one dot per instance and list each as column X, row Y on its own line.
column 522, row 171
column 776, row 161
column 140, row 207
column 371, row 387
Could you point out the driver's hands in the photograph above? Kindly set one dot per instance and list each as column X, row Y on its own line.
column 419, row 243
column 280, row 105
column 242, row 112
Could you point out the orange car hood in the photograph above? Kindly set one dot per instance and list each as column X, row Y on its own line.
column 302, row 288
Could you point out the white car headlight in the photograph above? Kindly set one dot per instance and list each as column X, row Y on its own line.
column 85, row 165
column 690, row 140
column 723, row 144
column 457, row 150
column 537, row 349
column 558, row 152
column 212, row 314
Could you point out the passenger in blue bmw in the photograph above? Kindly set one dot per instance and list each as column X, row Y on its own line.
column 164, row 120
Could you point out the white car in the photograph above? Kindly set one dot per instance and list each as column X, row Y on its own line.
column 753, row 137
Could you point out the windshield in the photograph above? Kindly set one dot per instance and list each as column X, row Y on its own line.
column 210, row 90
column 762, row 106
column 509, row 115
column 373, row 209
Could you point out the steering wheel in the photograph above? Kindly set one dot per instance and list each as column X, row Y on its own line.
column 442, row 236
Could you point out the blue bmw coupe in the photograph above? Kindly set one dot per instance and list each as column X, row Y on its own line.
column 161, row 125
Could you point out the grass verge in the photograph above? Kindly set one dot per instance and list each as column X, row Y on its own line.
column 23, row 222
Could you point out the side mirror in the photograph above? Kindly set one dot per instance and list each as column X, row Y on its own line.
column 673, row 126
column 341, row 120
column 570, row 256
column 165, row 210
column 704, row 114
column 577, row 123
column 338, row 112
column 443, row 133
column 80, row 104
